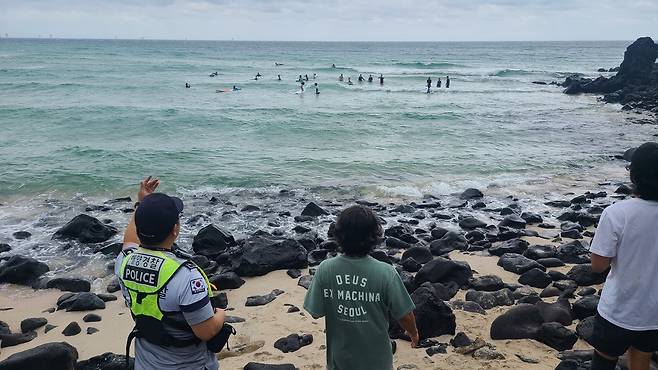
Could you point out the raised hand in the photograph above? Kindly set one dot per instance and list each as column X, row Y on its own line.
column 146, row 187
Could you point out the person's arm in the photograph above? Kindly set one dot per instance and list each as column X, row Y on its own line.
column 146, row 187
column 599, row 263
column 408, row 323
column 314, row 299
column 195, row 305
column 606, row 240
column 211, row 327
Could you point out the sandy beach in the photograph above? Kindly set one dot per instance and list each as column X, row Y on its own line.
column 265, row 324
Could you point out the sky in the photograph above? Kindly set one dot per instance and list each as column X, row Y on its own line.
column 332, row 20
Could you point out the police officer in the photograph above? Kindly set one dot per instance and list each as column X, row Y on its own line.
column 169, row 297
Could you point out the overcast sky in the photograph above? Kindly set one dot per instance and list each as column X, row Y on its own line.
column 377, row 20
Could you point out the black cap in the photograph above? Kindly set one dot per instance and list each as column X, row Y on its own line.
column 644, row 159
column 156, row 216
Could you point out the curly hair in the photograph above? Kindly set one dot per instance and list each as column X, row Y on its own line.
column 644, row 171
column 357, row 231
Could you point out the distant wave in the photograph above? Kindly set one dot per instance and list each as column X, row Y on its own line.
column 422, row 65
column 513, row 72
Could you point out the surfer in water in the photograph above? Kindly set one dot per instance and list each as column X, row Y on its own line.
column 333, row 65
column 381, row 78
column 301, row 86
column 447, row 82
column 235, row 88
column 370, row 78
column 341, row 78
column 429, row 84
column 349, row 81
column 306, row 77
column 187, row 85
column 361, row 79
column 317, row 91
column 300, row 79
column 279, row 77
column 315, row 76
column 438, row 82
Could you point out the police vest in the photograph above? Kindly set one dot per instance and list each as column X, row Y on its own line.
column 145, row 273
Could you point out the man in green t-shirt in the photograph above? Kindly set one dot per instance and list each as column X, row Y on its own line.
column 357, row 295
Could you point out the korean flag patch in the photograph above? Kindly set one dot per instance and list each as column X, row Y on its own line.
column 197, row 286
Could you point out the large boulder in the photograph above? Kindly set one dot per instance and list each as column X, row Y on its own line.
column 559, row 311
column 522, row 321
column 260, row 255
column 433, row 316
column 487, row 283
column 212, row 241
column 516, row 245
column 69, row 284
column 293, row 342
column 470, row 223
column 22, row 270
column 449, row 242
column 421, row 255
column 537, row 252
column 586, row 306
column 442, row 270
column 226, row 280
column 471, row 193
column 513, row 221
column 51, row 356
column 556, row 336
column 83, row 301
column 573, row 252
column 314, row 210
column 85, row 229
column 639, row 60
column 487, row 300
column 584, row 276
column 536, row 278
column 402, row 232
column 518, row 264
column 106, row 361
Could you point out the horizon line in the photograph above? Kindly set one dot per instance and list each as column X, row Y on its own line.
column 327, row 41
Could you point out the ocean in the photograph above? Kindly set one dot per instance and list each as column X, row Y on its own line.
column 83, row 120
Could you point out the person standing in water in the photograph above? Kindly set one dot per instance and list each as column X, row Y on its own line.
column 279, row 76
column 341, row 78
column 349, row 81
column 447, row 82
column 429, row 84
column 300, row 79
column 361, row 79
column 381, row 78
column 301, row 86
column 306, row 77
column 333, row 65
column 370, row 78
column 187, row 85
column 438, row 82
column 317, row 91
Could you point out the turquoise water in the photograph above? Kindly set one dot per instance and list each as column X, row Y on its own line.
column 92, row 117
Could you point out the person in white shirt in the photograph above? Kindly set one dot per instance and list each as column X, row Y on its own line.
column 626, row 241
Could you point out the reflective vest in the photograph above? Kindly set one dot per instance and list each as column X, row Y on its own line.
column 145, row 273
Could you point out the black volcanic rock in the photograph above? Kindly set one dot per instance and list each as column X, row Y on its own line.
column 22, row 270
column 85, row 229
column 51, row 356
column 212, row 241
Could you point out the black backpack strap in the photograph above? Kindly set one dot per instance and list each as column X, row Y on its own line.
column 133, row 334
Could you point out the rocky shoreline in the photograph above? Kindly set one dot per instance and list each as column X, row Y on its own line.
column 464, row 258
column 635, row 85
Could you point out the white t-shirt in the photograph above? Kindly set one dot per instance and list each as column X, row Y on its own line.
column 628, row 233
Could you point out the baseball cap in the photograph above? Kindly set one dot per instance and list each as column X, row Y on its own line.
column 645, row 159
column 156, row 216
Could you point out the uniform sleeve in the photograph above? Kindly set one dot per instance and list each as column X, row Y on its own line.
column 399, row 301
column 606, row 238
column 193, row 298
column 314, row 300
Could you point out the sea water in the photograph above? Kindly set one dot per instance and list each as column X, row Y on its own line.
column 82, row 121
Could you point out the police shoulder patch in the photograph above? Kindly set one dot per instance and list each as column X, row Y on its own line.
column 197, row 286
